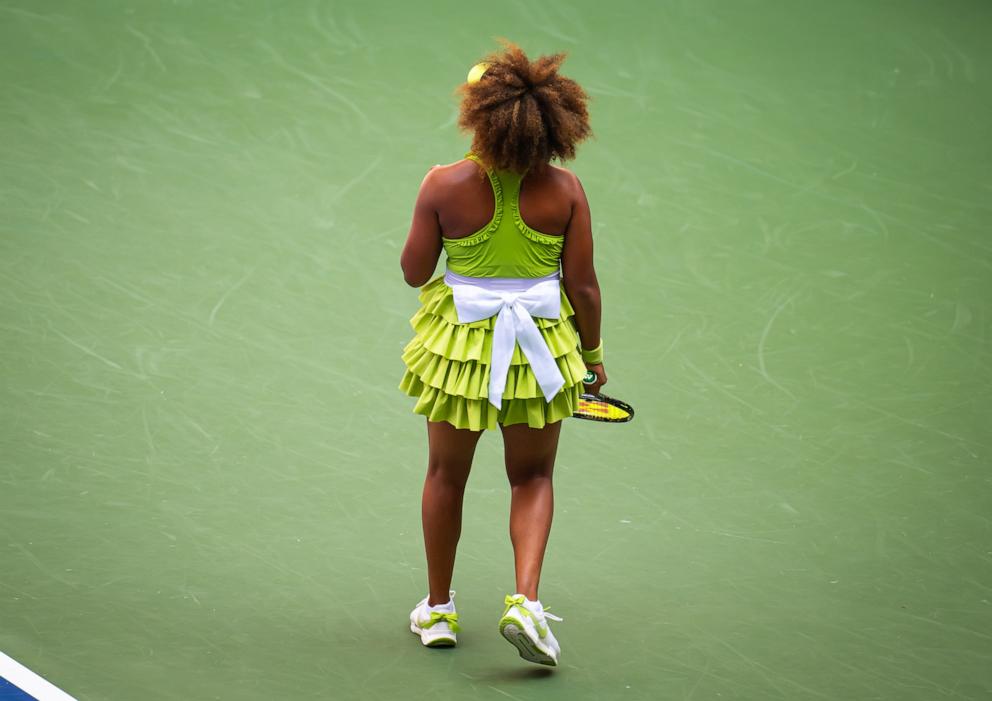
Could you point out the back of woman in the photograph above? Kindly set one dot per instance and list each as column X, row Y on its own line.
column 506, row 336
column 468, row 203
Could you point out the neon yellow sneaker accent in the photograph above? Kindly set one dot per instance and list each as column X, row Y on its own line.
column 450, row 618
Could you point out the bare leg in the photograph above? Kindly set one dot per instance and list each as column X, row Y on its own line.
column 448, row 466
column 530, row 461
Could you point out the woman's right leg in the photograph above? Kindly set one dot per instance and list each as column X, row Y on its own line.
column 448, row 465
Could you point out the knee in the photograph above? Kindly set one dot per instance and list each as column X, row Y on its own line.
column 530, row 475
column 442, row 474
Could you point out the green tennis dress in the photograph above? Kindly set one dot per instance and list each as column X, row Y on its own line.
column 447, row 362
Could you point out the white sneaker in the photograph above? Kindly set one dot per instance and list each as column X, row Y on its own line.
column 436, row 625
column 525, row 625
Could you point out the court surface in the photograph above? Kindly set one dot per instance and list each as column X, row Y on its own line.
column 209, row 485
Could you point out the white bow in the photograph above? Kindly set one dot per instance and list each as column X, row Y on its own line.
column 514, row 310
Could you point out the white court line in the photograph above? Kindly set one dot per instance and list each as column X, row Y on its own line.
column 29, row 682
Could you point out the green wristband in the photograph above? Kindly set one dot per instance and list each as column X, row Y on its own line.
column 594, row 356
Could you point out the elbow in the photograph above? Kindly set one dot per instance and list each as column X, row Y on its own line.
column 583, row 292
column 414, row 278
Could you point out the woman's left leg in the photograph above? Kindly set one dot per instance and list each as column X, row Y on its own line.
column 530, row 462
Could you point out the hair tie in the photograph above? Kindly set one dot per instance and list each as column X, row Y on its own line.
column 477, row 71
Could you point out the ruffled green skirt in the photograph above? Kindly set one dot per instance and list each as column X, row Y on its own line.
column 448, row 367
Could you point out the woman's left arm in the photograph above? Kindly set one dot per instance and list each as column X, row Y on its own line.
column 423, row 243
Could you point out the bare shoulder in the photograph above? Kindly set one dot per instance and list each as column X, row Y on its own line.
column 451, row 173
column 450, row 182
column 567, row 181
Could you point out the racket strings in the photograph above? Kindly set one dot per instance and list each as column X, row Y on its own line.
column 599, row 408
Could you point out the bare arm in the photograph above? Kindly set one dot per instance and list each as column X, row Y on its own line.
column 579, row 279
column 423, row 243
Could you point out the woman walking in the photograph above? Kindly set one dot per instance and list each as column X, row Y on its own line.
column 506, row 336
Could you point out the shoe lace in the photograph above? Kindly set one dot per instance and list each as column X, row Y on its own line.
column 439, row 617
column 518, row 601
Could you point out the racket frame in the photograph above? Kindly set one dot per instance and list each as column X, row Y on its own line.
column 624, row 406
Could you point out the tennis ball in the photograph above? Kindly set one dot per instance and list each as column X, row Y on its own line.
column 475, row 75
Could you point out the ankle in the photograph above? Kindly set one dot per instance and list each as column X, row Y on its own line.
column 445, row 602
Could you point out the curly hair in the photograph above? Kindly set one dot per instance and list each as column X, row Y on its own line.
column 523, row 114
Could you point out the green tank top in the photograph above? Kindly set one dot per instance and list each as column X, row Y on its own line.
column 506, row 246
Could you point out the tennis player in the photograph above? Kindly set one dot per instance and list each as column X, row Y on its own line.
column 506, row 336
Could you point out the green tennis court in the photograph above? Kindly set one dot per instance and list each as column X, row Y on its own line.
column 209, row 485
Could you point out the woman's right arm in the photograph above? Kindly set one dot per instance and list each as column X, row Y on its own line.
column 423, row 243
column 579, row 279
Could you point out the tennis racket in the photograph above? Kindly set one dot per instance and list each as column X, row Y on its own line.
column 599, row 407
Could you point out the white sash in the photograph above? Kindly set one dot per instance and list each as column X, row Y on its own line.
column 514, row 302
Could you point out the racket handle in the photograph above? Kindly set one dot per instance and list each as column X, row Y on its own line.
column 589, row 378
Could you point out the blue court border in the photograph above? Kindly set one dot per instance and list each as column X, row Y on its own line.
column 9, row 692
column 18, row 683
